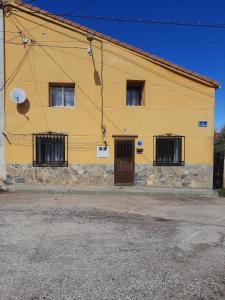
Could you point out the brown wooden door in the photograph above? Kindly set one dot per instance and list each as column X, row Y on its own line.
column 124, row 165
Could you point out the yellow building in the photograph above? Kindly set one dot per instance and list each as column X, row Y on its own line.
column 97, row 111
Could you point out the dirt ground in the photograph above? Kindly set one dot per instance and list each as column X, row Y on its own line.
column 112, row 246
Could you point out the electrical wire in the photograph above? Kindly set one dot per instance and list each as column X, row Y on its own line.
column 114, row 53
column 82, row 6
column 28, row 2
column 152, row 71
column 146, row 21
column 46, row 45
column 16, row 70
column 37, row 91
column 81, row 90
column 103, row 128
column 135, row 20
column 93, row 45
column 130, row 74
column 156, row 73
column 145, row 68
column 31, row 1
column 54, row 41
column 7, row 31
column 22, row 26
column 155, row 42
column 11, row 20
column 76, row 47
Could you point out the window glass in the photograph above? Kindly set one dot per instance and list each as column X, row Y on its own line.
column 133, row 97
column 169, row 150
column 56, row 96
column 135, row 93
column 61, row 95
column 50, row 150
column 68, row 96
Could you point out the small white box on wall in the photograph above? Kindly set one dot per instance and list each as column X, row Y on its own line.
column 102, row 151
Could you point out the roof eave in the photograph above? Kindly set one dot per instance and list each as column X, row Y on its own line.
column 160, row 61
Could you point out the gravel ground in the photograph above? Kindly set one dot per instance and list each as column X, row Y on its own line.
column 70, row 247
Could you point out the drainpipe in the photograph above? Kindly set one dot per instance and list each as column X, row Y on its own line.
column 2, row 95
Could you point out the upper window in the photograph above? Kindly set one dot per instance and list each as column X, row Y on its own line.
column 50, row 150
column 135, row 92
column 61, row 95
column 169, row 150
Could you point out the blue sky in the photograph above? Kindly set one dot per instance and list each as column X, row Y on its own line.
column 198, row 49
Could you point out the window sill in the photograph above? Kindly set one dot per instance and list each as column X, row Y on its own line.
column 70, row 107
column 51, row 165
column 168, row 164
column 135, row 106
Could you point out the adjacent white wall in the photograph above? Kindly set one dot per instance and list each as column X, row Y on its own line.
column 2, row 111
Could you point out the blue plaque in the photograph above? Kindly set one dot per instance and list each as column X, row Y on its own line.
column 202, row 123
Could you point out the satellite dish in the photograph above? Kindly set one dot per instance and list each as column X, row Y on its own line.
column 18, row 96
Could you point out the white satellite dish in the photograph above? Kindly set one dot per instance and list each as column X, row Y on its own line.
column 18, row 95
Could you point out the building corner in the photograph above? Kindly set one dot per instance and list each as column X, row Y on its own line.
column 2, row 101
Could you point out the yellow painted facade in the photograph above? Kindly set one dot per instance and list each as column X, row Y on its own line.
column 56, row 52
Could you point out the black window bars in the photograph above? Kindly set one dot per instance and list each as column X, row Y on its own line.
column 168, row 150
column 50, row 150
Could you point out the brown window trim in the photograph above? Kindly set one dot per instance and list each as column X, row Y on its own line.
column 134, row 136
column 139, row 84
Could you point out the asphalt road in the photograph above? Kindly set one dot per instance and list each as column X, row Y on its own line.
column 93, row 247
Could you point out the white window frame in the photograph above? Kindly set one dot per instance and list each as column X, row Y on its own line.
column 63, row 97
column 101, row 153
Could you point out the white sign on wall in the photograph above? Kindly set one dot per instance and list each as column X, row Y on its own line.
column 102, row 151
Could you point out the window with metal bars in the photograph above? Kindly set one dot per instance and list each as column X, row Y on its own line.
column 50, row 150
column 169, row 151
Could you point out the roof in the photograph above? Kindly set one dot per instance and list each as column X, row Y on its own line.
column 146, row 55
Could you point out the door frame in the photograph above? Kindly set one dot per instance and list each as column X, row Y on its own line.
column 132, row 140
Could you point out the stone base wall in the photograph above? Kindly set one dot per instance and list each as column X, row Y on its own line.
column 190, row 176
column 3, row 186
column 71, row 175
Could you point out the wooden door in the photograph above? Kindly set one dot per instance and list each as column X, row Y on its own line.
column 124, row 163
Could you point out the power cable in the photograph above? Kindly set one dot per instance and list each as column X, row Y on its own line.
column 145, row 68
column 16, row 70
column 7, row 31
column 156, row 42
column 28, row 2
column 145, row 21
column 82, row 6
column 47, row 45
column 156, row 73
column 14, row 23
column 37, row 91
column 126, row 19
column 135, row 20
